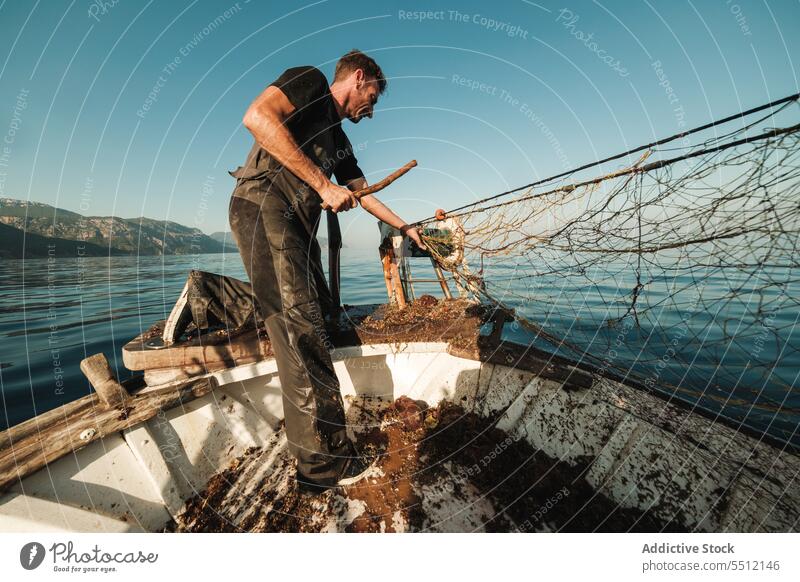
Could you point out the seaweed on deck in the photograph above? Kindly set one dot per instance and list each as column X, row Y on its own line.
column 438, row 469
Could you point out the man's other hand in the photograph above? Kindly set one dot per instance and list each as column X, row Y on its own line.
column 412, row 233
column 337, row 198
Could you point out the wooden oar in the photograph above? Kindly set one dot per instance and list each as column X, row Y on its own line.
column 25, row 450
column 377, row 186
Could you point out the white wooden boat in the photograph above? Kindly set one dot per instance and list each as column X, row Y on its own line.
column 639, row 450
column 142, row 457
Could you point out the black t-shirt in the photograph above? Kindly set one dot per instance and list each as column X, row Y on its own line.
column 315, row 126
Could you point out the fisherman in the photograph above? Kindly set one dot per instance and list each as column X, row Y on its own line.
column 274, row 214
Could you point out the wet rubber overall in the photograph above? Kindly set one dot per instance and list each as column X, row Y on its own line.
column 274, row 218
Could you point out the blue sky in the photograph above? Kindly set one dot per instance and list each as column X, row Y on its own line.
column 134, row 108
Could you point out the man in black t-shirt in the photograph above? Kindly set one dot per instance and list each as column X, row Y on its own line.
column 274, row 214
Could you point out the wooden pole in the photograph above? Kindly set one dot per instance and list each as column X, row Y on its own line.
column 397, row 285
column 378, row 186
column 442, row 281
column 26, row 453
column 387, row 274
column 98, row 371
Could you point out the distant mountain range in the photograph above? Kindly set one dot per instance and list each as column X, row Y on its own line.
column 34, row 229
column 226, row 238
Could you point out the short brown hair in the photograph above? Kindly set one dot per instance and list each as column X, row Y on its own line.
column 354, row 60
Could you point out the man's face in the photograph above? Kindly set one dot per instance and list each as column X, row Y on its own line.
column 363, row 99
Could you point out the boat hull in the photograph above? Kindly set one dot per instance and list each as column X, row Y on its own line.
column 639, row 450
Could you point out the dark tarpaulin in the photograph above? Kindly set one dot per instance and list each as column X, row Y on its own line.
column 210, row 300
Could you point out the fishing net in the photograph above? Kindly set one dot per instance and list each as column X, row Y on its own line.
column 677, row 271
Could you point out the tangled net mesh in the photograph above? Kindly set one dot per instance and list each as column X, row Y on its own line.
column 677, row 272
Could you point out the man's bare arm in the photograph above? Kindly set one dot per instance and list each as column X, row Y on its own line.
column 383, row 213
column 266, row 119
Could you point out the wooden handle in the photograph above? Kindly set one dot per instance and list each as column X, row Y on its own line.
column 98, row 371
column 377, row 186
column 25, row 454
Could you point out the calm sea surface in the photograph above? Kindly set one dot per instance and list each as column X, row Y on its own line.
column 54, row 314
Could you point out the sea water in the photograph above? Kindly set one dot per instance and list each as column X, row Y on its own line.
column 55, row 312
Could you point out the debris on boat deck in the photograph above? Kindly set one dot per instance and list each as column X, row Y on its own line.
column 426, row 319
column 438, row 469
column 456, row 321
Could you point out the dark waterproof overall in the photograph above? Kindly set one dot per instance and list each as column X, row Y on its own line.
column 274, row 217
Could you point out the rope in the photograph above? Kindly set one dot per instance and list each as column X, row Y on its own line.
column 784, row 101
